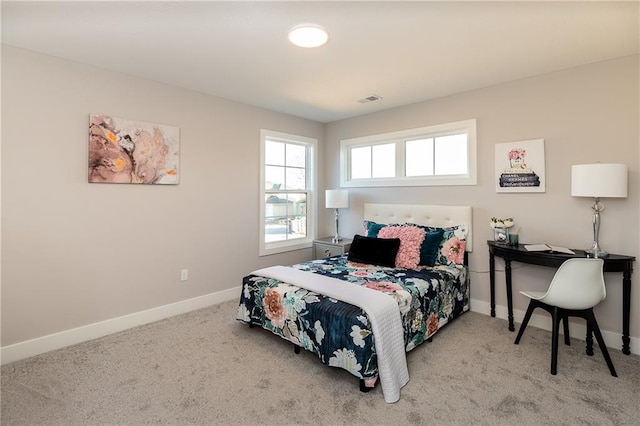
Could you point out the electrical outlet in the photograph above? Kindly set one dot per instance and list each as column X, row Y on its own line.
column 184, row 274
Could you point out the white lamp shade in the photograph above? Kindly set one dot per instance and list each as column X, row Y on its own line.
column 599, row 180
column 336, row 198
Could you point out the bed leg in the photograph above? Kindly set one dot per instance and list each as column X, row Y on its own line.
column 296, row 348
column 364, row 388
column 251, row 325
column 430, row 339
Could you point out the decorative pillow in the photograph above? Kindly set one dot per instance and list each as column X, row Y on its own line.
column 411, row 238
column 430, row 247
column 453, row 244
column 371, row 229
column 374, row 251
column 452, row 252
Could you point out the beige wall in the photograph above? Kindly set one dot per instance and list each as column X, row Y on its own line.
column 586, row 114
column 75, row 253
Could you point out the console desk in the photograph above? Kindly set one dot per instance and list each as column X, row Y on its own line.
column 612, row 263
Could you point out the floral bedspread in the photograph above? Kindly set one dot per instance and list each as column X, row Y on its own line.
column 340, row 333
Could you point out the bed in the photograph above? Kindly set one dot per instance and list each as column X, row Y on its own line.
column 362, row 315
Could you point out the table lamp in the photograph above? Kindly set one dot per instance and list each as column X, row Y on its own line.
column 598, row 181
column 337, row 199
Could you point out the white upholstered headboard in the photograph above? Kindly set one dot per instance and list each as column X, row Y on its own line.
column 441, row 216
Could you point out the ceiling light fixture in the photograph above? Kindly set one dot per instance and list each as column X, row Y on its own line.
column 308, row 35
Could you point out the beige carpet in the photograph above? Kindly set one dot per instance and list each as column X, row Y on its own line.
column 204, row 367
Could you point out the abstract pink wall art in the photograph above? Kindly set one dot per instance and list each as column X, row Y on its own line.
column 127, row 151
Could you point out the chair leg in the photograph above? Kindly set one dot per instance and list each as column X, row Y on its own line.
column 589, row 340
column 565, row 322
column 525, row 321
column 591, row 318
column 555, row 319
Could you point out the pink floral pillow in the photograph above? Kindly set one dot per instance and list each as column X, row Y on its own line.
column 452, row 247
column 453, row 250
column 411, row 238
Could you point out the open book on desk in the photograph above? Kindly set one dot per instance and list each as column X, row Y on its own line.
column 546, row 247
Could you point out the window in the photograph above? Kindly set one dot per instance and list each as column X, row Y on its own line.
column 444, row 154
column 287, row 182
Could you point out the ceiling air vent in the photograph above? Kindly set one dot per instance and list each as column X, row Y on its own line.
column 370, row 98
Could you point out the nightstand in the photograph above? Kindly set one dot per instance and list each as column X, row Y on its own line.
column 324, row 247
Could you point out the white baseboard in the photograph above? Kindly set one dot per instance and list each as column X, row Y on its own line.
column 74, row 336
column 59, row 340
column 612, row 339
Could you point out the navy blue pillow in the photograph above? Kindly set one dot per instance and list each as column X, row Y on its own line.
column 430, row 246
column 372, row 228
column 374, row 251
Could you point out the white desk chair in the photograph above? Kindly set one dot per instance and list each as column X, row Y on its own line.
column 576, row 288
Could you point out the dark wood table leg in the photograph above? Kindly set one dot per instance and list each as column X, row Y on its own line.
column 626, row 309
column 492, row 282
column 507, row 273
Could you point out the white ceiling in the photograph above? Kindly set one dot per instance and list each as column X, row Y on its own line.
column 405, row 52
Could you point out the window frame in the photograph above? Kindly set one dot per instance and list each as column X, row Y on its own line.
column 399, row 138
column 311, row 145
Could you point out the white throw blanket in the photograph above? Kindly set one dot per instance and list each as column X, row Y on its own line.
column 382, row 310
